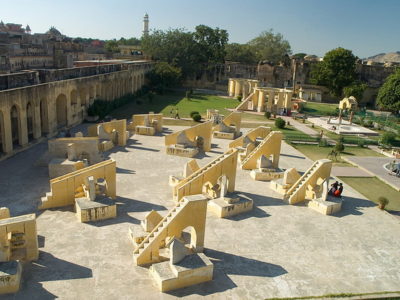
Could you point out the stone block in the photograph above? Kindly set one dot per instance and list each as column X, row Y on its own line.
column 10, row 276
column 106, row 145
column 193, row 269
column 223, row 209
column 60, row 166
column 4, row 213
column 144, row 130
column 185, row 152
column 101, row 209
column 265, row 175
column 326, row 207
column 224, row 135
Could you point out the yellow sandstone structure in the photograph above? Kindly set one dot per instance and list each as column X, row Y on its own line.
column 147, row 124
column 205, row 180
column 70, row 154
column 247, row 142
column 189, row 212
column 229, row 128
column 263, row 160
column 313, row 186
column 111, row 134
column 18, row 242
column 261, row 99
column 189, row 168
column 65, row 189
column 176, row 261
column 350, row 104
column 188, row 142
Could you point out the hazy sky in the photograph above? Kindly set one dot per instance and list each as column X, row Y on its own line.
column 367, row 27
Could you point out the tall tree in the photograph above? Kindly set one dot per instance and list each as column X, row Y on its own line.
column 242, row 53
column 270, row 46
column 211, row 44
column 336, row 71
column 389, row 93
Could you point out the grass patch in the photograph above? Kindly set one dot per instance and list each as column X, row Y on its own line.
column 342, row 295
column 314, row 152
column 373, row 188
column 320, row 109
column 167, row 103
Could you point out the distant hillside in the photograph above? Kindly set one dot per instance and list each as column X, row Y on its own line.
column 386, row 57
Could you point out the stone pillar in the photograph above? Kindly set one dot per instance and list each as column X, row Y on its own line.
column 271, row 99
column 238, row 88
column 261, row 101
column 231, row 87
column 254, row 99
column 37, row 128
column 288, row 100
column 7, row 138
column 23, row 132
column 245, row 92
column 281, row 99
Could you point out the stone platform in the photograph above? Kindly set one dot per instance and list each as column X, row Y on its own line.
column 229, row 206
column 182, row 151
column 331, row 206
column 100, row 209
column 193, row 269
column 145, row 130
column 10, row 276
column 224, row 135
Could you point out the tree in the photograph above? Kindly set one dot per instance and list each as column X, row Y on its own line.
column 356, row 89
column 112, row 46
column 300, row 55
column 270, row 46
column 389, row 94
column 164, row 75
column 242, row 53
column 336, row 71
column 174, row 46
column 211, row 44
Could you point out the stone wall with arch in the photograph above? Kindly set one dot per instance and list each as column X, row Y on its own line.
column 32, row 112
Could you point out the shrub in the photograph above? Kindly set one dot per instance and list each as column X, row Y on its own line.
column 267, row 114
column 341, row 139
column 388, row 138
column 192, row 113
column 188, row 94
column 361, row 143
column 239, row 98
column 323, row 143
column 383, row 201
column 196, row 117
column 280, row 123
column 339, row 147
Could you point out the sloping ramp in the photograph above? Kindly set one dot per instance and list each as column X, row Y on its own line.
column 319, row 169
column 271, row 145
column 244, row 105
column 191, row 211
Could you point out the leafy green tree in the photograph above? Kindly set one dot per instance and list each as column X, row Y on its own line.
column 164, row 76
column 389, row 93
column 242, row 53
column 270, row 46
column 211, row 44
column 356, row 89
column 336, row 71
column 174, row 46
column 112, row 46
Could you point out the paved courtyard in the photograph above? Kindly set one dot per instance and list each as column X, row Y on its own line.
column 277, row 250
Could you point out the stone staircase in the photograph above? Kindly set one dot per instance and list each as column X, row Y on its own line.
column 292, row 193
column 244, row 104
column 151, row 242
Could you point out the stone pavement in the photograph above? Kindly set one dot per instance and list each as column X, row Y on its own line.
column 374, row 165
column 276, row 250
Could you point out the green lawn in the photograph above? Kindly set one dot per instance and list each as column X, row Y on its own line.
column 320, row 109
column 314, row 152
column 168, row 102
column 373, row 188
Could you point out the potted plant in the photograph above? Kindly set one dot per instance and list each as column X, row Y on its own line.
column 383, row 201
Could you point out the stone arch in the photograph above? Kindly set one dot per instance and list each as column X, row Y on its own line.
column 189, row 236
column 61, row 111
column 44, row 116
column 30, row 120
column 83, row 96
column 15, row 115
column 2, row 134
column 92, row 93
column 74, row 97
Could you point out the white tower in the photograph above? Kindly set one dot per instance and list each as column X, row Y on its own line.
column 146, row 25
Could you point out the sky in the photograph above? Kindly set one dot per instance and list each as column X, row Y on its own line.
column 367, row 27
